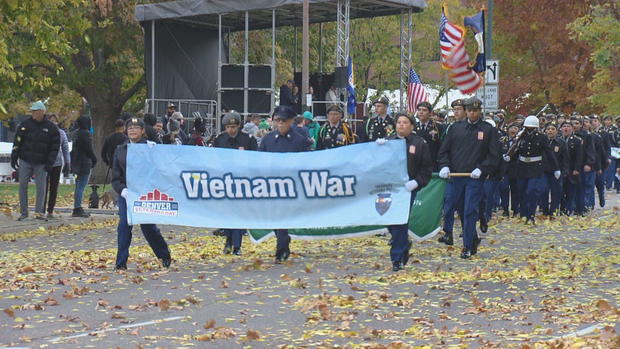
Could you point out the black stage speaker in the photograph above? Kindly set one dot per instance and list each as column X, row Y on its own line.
column 259, row 102
column 232, row 100
column 341, row 79
column 259, row 76
column 232, row 76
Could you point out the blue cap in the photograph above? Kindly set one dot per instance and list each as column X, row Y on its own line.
column 284, row 112
column 38, row 105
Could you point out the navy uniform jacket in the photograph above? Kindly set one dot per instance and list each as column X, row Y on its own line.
column 574, row 146
column 533, row 145
column 292, row 142
column 589, row 152
column 241, row 141
column 333, row 137
column 375, row 128
column 508, row 168
column 432, row 133
column 601, row 152
column 560, row 151
column 469, row 146
column 419, row 163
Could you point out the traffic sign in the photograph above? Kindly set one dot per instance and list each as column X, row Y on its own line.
column 491, row 75
column 489, row 97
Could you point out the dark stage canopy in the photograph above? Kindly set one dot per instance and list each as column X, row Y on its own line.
column 205, row 12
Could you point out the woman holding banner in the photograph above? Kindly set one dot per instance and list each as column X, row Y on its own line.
column 419, row 168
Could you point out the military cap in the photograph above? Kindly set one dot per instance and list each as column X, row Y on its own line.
column 284, row 112
column 382, row 100
column 473, row 103
column 607, row 117
column 458, row 103
column 231, row 118
column 442, row 114
column 426, row 105
column 334, row 107
column 135, row 122
column 401, row 114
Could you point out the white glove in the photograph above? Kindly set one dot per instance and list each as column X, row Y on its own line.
column 557, row 174
column 444, row 172
column 381, row 141
column 124, row 193
column 506, row 158
column 475, row 174
column 150, row 144
column 411, row 185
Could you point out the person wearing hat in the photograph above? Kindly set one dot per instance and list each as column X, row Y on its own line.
column 312, row 126
column 574, row 158
column 335, row 132
column 419, row 168
column 379, row 126
column 533, row 155
column 602, row 148
column 171, row 108
column 472, row 147
column 510, row 197
column 234, row 138
column 430, row 130
column 590, row 160
column 613, row 133
column 35, row 148
column 552, row 186
column 283, row 140
column 152, row 234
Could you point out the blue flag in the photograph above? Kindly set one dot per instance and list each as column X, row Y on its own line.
column 351, row 102
column 476, row 22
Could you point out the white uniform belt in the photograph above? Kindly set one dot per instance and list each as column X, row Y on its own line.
column 530, row 159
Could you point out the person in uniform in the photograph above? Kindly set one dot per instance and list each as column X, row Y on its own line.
column 508, row 187
column 283, row 140
column 532, row 149
column 234, row 138
column 379, row 126
column 603, row 149
column 614, row 142
column 335, row 132
column 572, row 181
column 419, row 167
column 450, row 206
column 552, row 185
column 469, row 147
column 490, row 188
column 430, row 130
column 587, row 174
column 152, row 234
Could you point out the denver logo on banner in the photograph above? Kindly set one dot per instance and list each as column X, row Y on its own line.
column 361, row 184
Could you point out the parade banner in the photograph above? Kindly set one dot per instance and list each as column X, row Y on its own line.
column 424, row 220
column 361, row 184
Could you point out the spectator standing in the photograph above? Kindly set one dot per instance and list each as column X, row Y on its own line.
column 63, row 162
column 114, row 140
column 35, row 148
column 83, row 159
column 286, row 94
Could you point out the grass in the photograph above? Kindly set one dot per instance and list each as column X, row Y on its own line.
column 9, row 194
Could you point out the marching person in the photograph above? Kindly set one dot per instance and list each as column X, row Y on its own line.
column 509, row 188
column 489, row 189
column 553, row 185
column 35, row 148
column 588, row 176
column 603, row 149
column 379, row 126
column 233, row 138
column 83, row 160
column 450, row 206
column 572, row 182
column 419, row 167
column 469, row 147
column 283, row 140
column 614, row 142
column 532, row 149
column 152, row 234
column 335, row 132
column 430, row 130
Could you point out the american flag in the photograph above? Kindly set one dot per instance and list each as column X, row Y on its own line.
column 454, row 57
column 415, row 92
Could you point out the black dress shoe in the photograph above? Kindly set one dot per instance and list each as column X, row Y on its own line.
column 228, row 246
column 406, row 254
column 121, row 267
column 466, row 254
column 447, row 239
column 484, row 225
column 506, row 214
column 165, row 262
column 396, row 266
column 474, row 249
column 236, row 251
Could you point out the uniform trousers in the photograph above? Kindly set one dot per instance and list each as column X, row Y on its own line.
column 531, row 188
column 470, row 191
column 400, row 237
column 151, row 233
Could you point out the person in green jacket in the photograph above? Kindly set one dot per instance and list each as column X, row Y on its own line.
column 313, row 127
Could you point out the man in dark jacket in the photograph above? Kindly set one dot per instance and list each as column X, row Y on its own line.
column 83, row 159
column 135, row 132
column 286, row 94
column 114, row 140
column 35, row 148
column 430, row 130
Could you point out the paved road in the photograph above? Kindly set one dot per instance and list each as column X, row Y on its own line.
column 527, row 284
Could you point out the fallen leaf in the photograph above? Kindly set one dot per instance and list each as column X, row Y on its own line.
column 9, row 312
column 253, row 335
column 209, row 324
column 163, row 304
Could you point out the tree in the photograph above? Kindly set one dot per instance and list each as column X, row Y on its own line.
column 91, row 47
column 599, row 29
column 541, row 63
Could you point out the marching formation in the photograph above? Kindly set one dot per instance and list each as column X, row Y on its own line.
column 548, row 164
